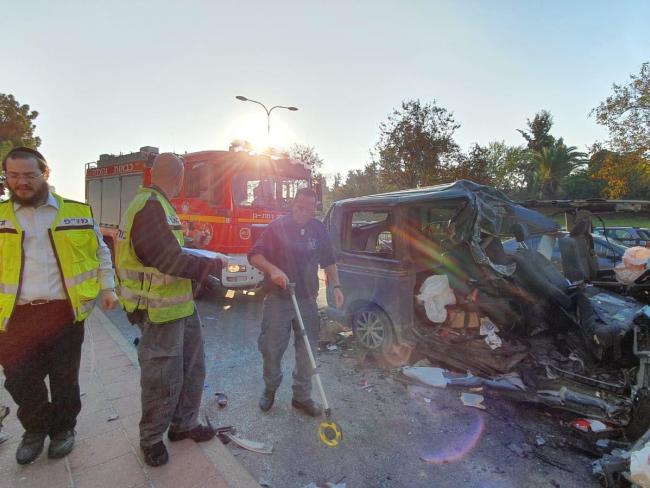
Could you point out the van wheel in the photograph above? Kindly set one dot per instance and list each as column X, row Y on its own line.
column 373, row 329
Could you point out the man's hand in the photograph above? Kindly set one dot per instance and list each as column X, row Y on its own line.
column 108, row 299
column 339, row 298
column 278, row 277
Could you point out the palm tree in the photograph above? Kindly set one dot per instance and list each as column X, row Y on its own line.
column 554, row 163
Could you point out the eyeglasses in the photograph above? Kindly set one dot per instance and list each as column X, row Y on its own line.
column 25, row 176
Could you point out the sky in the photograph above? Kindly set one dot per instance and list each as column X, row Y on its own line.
column 110, row 77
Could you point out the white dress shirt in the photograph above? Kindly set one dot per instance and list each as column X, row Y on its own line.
column 41, row 279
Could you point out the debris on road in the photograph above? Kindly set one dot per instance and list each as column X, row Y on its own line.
column 230, row 294
column 489, row 330
column 472, row 400
column 222, row 399
column 113, row 417
column 253, row 446
column 589, row 425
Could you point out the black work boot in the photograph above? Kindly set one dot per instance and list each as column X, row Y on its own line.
column 61, row 444
column 200, row 433
column 267, row 399
column 307, row 406
column 155, row 455
column 30, row 447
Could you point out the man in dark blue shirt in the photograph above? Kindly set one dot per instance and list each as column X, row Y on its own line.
column 289, row 251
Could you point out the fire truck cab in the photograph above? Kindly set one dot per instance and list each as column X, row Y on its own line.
column 227, row 200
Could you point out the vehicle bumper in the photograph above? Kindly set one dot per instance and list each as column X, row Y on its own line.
column 250, row 278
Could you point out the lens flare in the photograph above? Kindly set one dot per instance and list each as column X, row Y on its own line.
column 457, row 449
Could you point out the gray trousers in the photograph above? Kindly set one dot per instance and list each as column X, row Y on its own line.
column 172, row 367
column 278, row 320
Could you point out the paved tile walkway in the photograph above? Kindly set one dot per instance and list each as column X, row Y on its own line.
column 107, row 452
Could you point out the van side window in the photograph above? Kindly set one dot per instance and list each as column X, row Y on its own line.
column 369, row 232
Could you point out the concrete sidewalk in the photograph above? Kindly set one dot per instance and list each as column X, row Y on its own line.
column 107, row 452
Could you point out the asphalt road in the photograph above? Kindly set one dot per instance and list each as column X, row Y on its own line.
column 393, row 435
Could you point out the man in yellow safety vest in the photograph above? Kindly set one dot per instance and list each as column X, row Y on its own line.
column 155, row 287
column 53, row 266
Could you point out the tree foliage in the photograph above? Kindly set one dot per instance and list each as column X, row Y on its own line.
column 538, row 133
column 306, row 154
column 626, row 114
column 553, row 164
column 627, row 175
column 416, row 145
column 16, row 125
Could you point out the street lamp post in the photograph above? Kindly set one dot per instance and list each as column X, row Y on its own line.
column 267, row 110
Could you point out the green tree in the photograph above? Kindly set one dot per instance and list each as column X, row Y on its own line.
column 538, row 133
column 626, row 114
column 307, row 154
column 508, row 167
column 475, row 166
column 16, row 125
column 552, row 165
column 416, row 145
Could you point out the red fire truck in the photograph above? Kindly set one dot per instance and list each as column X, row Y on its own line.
column 227, row 199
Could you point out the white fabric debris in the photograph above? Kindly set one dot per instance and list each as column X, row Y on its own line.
column 640, row 466
column 435, row 293
column 634, row 264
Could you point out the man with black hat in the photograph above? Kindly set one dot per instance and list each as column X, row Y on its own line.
column 54, row 264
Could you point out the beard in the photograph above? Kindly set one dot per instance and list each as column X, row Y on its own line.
column 37, row 198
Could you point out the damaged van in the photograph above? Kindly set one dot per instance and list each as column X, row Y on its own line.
column 427, row 267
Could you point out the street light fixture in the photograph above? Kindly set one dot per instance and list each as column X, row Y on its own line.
column 267, row 110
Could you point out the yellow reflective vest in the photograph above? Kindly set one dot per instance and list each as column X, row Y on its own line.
column 166, row 298
column 75, row 246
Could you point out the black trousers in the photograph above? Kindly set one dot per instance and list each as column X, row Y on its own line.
column 40, row 341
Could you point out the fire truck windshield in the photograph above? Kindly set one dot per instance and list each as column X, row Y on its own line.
column 268, row 191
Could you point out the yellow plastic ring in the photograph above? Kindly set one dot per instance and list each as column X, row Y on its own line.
column 330, row 434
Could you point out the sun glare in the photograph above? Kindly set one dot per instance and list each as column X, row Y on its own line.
column 252, row 128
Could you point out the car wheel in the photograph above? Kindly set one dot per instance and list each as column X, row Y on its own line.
column 373, row 329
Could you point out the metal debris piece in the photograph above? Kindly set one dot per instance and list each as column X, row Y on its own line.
column 112, row 417
column 427, row 375
column 472, row 400
column 254, row 446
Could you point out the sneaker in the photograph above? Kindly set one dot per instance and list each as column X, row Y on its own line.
column 267, row 399
column 61, row 444
column 200, row 433
column 307, row 406
column 155, row 455
column 30, row 447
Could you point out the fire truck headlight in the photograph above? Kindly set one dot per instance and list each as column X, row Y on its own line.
column 236, row 268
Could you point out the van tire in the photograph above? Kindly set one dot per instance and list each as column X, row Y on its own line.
column 373, row 329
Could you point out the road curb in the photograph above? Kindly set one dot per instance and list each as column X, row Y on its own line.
column 223, row 460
